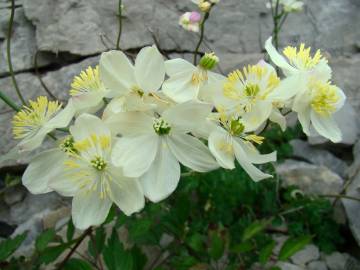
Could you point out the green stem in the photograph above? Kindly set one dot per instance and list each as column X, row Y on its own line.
column 9, row 102
column 8, row 52
column 202, row 30
column 120, row 26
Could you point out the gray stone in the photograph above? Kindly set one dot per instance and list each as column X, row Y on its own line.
column 309, row 178
column 341, row 261
column 15, row 195
column 288, row 266
column 306, row 255
column 319, row 157
column 317, row 265
column 23, row 43
column 280, row 239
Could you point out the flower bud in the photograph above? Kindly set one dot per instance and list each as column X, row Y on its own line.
column 204, row 6
column 209, row 61
column 190, row 21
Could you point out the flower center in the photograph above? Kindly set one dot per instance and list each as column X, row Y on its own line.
column 199, row 76
column 251, row 90
column 161, row 127
column 236, row 128
column 301, row 58
column 30, row 119
column 98, row 163
column 325, row 98
column 68, row 146
column 137, row 90
column 87, row 81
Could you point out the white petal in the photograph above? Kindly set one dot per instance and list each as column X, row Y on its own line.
column 278, row 59
column 278, row 118
column 163, row 176
column 288, row 88
column 63, row 118
column 149, row 69
column 304, row 119
column 251, row 170
column 212, row 90
column 179, row 87
column 127, row 194
column 13, row 154
column 253, row 155
column 88, row 209
column 116, row 72
column 191, row 152
column 33, row 142
column 87, row 125
column 43, row 167
column 322, row 71
column 130, row 123
column 187, row 116
column 135, row 154
column 87, row 100
column 258, row 114
column 326, row 126
column 178, row 65
column 220, row 145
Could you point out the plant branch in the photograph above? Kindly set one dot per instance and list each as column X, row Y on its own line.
column 340, row 196
column 202, row 30
column 71, row 252
column 9, row 102
column 120, row 25
column 8, row 53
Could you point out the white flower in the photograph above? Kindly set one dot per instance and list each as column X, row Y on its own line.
column 316, row 106
column 229, row 142
column 87, row 91
column 250, row 93
column 32, row 123
column 86, row 173
column 299, row 68
column 190, row 21
column 152, row 147
column 186, row 81
column 132, row 84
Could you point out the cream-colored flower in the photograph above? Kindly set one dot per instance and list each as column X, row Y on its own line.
column 190, row 21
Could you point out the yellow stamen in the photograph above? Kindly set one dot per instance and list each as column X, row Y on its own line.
column 301, row 58
column 325, row 98
column 255, row 138
column 199, row 76
column 30, row 119
column 87, row 81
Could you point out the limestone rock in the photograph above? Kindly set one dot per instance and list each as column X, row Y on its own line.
column 306, row 255
column 309, row 178
column 317, row 265
column 288, row 266
column 319, row 157
column 341, row 261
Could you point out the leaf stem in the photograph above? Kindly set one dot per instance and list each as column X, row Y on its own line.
column 202, row 30
column 9, row 102
column 8, row 53
column 120, row 25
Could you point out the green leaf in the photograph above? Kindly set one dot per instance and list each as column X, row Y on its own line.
column 139, row 231
column 255, row 228
column 70, row 230
column 7, row 247
column 115, row 256
column 139, row 258
column 242, row 247
column 44, row 239
column 96, row 244
column 77, row 264
column 216, row 249
column 266, row 252
column 196, row 242
column 293, row 245
column 50, row 254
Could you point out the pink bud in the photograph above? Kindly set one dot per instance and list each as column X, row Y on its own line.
column 195, row 17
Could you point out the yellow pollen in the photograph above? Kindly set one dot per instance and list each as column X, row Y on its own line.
column 325, row 98
column 255, row 138
column 137, row 90
column 200, row 76
column 301, row 58
column 87, row 81
column 30, row 119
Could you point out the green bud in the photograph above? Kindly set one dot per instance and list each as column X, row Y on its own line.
column 236, row 127
column 209, row 61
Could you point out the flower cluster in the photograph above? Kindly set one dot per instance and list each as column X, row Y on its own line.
column 128, row 129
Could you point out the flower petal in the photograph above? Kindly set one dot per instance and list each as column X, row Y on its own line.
column 304, row 119
column 130, row 123
column 253, row 155
column 179, row 87
column 178, row 65
column 87, row 125
column 163, row 176
column 116, row 72
column 149, row 69
column 277, row 117
column 251, row 170
column 88, row 209
column 43, row 167
column 288, row 88
column 258, row 114
column 191, row 152
column 127, row 194
column 135, row 154
column 187, row 117
column 220, row 145
column 326, row 126
column 278, row 59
